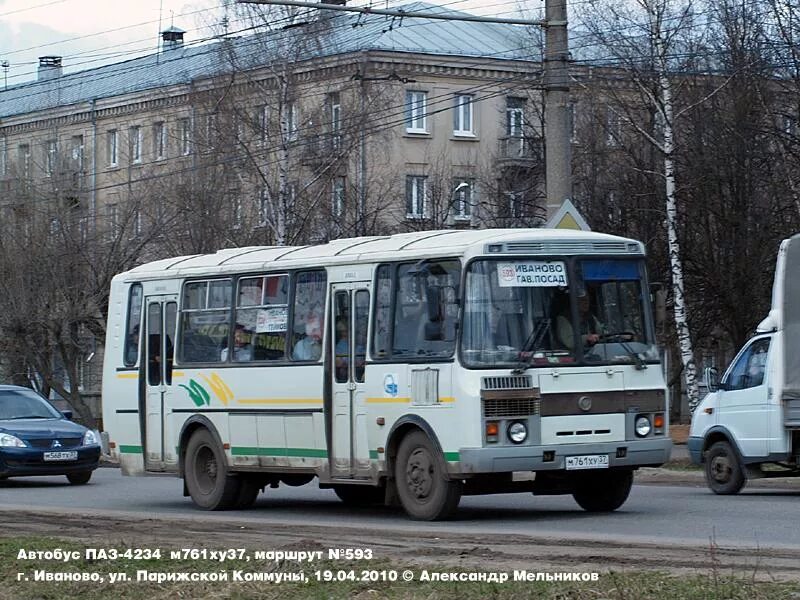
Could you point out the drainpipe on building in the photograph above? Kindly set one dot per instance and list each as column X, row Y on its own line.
column 93, row 193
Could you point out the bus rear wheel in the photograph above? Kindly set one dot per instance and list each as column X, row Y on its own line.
column 603, row 492
column 424, row 490
column 208, row 480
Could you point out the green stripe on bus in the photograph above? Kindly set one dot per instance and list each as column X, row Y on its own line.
column 130, row 449
column 302, row 452
column 451, row 456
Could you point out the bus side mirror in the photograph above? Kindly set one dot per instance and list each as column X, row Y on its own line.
column 710, row 375
column 659, row 297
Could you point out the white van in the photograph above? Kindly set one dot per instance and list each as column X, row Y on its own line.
column 751, row 418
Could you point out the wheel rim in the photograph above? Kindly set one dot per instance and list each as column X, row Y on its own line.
column 206, row 469
column 720, row 468
column 420, row 474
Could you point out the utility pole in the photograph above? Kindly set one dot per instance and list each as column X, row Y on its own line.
column 558, row 162
column 558, row 166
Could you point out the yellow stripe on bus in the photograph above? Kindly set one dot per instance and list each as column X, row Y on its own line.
column 279, row 401
column 127, row 375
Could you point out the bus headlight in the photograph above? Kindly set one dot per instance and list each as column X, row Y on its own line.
column 517, row 432
column 642, row 426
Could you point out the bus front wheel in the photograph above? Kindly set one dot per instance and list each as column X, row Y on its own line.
column 424, row 490
column 210, row 484
column 604, row 491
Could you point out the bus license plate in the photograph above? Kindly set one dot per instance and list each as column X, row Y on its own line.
column 71, row 455
column 590, row 461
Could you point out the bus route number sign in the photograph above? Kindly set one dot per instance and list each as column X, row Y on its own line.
column 533, row 273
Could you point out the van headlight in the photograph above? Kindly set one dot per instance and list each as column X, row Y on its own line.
column 642, row 426
column 517, row 432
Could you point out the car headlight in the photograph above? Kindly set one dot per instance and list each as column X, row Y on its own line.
column 11, row 441
column 517, row 432
column 642, row 426
column 90, row 439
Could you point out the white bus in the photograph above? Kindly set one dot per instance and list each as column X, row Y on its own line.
column 410, row 368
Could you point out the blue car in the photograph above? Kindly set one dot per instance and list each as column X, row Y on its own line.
column 37, row 439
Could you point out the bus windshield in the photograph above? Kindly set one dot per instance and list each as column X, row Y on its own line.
column 546, row 312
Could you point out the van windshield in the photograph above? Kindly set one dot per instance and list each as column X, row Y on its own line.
column 555, row 311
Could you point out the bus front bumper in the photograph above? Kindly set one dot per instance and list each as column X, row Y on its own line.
column 504, row 459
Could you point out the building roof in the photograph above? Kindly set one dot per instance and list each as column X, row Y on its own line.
column 346, row 33
column 400, row 246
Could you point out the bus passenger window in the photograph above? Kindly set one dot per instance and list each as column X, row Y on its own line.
column 381, row 336
column 262, row 316
column 309, row 318
column 204, row 320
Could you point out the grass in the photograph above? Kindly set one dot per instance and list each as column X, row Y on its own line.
column 628, row 585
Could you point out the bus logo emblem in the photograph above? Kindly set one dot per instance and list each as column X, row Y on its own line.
column 390, row 385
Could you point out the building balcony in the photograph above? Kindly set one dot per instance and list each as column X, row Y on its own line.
column 520, row 150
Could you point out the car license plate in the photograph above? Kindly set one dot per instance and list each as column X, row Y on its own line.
column 590, row 461
column 71, row 455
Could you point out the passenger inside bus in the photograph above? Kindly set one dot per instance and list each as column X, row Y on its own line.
column 242, row 349
column 310, row 346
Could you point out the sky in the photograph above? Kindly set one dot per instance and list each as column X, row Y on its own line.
column 87, row 33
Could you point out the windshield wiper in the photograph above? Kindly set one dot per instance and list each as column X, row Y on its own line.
column 536, row 335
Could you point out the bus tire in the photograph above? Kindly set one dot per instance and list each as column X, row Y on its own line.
column 360, row 495
column 603, row 492
column 724, row 473
column 249, row 488
column 208, row 480
column 425, row 492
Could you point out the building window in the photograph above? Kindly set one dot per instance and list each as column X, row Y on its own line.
column 112, row 148
column 416, row 196
column 185, row 136
column 136, row 144
column 291, row 122
column 136, row 223
column 338, row 197
column 515, row 117
column 416, row 112
column 462, row 115
column 113, row 221
column 263, row 206
column 236, row 210
column 462, row 199
column 3, row 157
column 77, row 152
column 613, row 128
column 335, row 104
column 160, row 139
column 51, row 157
column 514, row 204
column 211, row 130
column 24, row 160
column 263, row 121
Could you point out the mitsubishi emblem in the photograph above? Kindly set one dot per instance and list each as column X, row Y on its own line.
column 56, row 444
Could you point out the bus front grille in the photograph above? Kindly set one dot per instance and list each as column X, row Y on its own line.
column 510, row 407
column 511, row 382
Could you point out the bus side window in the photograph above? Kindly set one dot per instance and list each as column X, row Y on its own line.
column 131, row 351
column 204, row 320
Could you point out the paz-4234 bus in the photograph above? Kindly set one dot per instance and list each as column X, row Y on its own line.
column 410, row 369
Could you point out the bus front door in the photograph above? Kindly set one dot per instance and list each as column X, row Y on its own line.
column 350, row 317
column 160, row 344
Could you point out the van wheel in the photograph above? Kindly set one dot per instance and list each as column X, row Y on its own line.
column 80, row 478
column 210, row 484
column 360, row 495
column 724, row 474
column 603, row 492
column 425, row 492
